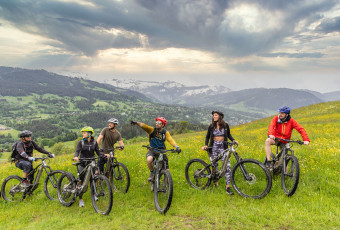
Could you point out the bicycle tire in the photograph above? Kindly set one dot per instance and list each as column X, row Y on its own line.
column 11, row 189
column 163, row 192
column 51, row 184
column 102, row 201
column 290, row 180
column 122, row 182
column 65, row 188
column 197, row 179
column 260, row 179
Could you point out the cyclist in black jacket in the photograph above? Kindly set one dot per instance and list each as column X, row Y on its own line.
column 86, row 149
column 25, row 157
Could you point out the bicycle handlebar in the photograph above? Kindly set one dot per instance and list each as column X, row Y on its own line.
column 227, row 143
column 297, row 141
column 159, row 150
column 111, row 149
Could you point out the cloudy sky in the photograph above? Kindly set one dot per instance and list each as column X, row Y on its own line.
column 239, row 44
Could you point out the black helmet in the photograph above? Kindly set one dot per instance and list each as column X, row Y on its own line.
column 25, row 133
column 219, row 112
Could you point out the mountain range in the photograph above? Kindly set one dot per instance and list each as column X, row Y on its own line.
column 259, row 100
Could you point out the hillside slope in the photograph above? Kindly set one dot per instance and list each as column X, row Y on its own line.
column 315, row 205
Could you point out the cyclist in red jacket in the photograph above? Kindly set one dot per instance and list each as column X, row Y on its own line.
column 282, row 127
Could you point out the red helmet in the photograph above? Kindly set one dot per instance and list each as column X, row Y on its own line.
column 162, row 119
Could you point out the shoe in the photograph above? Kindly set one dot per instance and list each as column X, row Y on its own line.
column 151, row 177
column 229, row 191
column 81, row 203
column 269, row 165
column 25, row 184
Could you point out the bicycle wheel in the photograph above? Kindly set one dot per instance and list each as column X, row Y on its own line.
column 66, row 189
column 163, row 192
column 120, row 178
column 51, row 183
column 101, row 194
column 250, row 178
column 11, row 189
column 198, row 174
column 290, row 176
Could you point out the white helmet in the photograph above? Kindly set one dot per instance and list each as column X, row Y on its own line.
column 113, row 120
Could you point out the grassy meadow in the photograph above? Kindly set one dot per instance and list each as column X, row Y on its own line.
column 315, row 205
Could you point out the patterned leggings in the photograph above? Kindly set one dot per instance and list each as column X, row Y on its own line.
column 218, row 148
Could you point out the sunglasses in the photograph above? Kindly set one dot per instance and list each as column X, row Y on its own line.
column 159, row 122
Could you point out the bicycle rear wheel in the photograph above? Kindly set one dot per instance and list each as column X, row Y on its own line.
column 163, row 192
column 66, row 189
column 101, row 195
column 120, row 178
column 51, row 184
column 250, row 178
column 290, row 175
column 12, row 189
column 198, row 174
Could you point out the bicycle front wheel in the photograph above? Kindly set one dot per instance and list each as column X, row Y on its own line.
column 51, row 184
column 163, row 191
column 12, row 189
column 101, row 194
column 198, row 174
column 66, row 189
column 290, row 175
column 250, row 178
column 120, row 178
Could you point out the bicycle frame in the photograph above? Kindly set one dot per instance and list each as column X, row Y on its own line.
column 223, row 169
column 40, row 168
column 284, row 149
column 88, row 176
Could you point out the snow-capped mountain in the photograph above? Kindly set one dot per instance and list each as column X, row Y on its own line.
column 168, row 91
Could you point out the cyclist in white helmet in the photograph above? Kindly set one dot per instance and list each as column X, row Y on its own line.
column 109, row 136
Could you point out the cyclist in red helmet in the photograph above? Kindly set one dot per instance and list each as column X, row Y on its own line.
column 157, row 136
column 282, row 127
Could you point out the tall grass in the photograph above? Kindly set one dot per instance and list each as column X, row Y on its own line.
column 315, row 205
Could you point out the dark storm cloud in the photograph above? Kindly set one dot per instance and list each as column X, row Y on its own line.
column 330, row 25
column 195, row 24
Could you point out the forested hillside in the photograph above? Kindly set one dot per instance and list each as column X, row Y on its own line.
column 56, row 107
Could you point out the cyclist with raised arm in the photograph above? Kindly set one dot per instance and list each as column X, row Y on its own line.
column 109, row 136
column 217, row 134
column 282, row 127
column 24, row 155
column 157, row 136
column 85, row 149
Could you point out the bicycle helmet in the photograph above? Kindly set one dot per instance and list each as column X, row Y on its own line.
column 284, row 109
column 87, row 129
column 113, row 120
column 218, row 112
column 161, row 119
column 25, row 133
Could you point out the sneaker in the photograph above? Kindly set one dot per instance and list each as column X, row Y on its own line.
column 25, row 184
column 269, row 165
column 81, row 203
column 151, row 177
column 229, row 191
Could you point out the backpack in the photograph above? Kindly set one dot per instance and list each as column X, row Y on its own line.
column 14, row 150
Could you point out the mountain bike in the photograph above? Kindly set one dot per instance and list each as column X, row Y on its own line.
column 249, row 177
column 13, row 190
column 286, row 164
column 162, row 185
column 117, row 172
column 69, row 187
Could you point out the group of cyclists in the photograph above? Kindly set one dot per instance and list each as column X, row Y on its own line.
column 218, row 133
